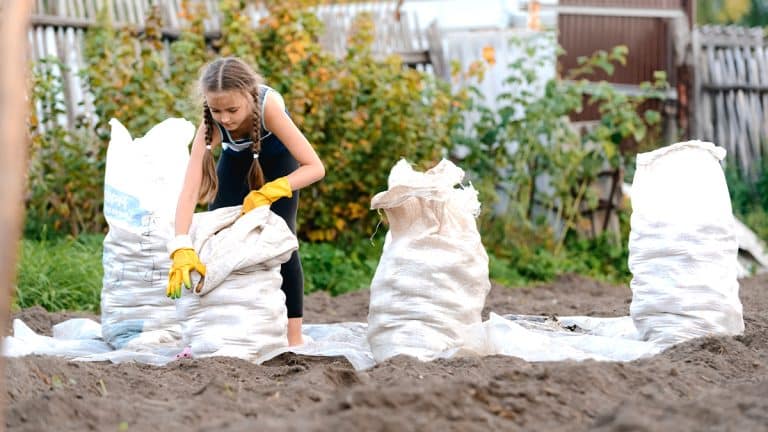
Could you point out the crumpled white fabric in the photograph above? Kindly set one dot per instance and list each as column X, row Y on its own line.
column 530, row 338
column 682, row 246
column 238, row 309
column 432, row 278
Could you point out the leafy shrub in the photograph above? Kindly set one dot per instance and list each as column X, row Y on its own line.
column 339, row 268
column 360, row 112
column 126, row 73
column 749, row 198
column 66, row 167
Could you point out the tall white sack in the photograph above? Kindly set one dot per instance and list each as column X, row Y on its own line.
column 142, row 182
column 682, row 246
column 432, row 278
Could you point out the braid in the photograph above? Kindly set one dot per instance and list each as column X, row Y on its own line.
column 256, row 175
column 208, row 118
column 209, row 184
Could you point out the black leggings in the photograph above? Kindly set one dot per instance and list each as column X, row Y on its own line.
column 232, row 171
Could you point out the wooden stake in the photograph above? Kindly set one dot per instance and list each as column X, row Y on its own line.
column 14, row 21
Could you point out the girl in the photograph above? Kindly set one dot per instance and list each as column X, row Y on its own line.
column 264, row 160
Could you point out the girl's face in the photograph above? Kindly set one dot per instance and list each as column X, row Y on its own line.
column 231, row 108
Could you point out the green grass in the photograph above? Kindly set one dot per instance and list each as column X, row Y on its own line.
column 60, row 274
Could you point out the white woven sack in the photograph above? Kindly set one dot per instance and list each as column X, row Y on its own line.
column 142, row 182
column 432, row 278
column 682, row 246
column 238, row 309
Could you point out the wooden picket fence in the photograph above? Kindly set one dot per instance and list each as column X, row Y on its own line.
column 731, row 93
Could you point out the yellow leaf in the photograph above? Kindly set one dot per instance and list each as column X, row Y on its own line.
column 356, row 211
column 489, row 54
column 316, row 235
column 295, row 51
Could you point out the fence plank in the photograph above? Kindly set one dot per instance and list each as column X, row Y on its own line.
column 732, row 93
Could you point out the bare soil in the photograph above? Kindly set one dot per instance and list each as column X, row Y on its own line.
column 713, row 383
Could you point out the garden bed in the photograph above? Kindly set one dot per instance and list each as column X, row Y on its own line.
column 708, row 383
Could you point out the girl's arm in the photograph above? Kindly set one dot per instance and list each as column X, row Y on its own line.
column 277, row 121
column 191, row 189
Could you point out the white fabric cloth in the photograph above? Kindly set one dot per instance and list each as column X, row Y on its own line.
column 527, row 337
column 432, row 279
column 682, row 246
column 238, row 308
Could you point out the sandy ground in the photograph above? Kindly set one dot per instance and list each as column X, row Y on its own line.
column 714, row 383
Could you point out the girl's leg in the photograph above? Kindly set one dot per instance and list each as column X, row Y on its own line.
column 232, row 172
column 293, row 287
column 292, row 272
column 294, row 332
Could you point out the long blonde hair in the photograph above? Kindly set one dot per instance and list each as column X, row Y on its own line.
column 229, row 74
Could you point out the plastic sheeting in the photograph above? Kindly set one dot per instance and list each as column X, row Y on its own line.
column 527, row 337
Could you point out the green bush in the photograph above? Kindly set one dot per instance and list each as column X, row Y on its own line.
column 66, row 167
column 749, row 198
column 360, row 112
column 337, row 268
column 60, row 274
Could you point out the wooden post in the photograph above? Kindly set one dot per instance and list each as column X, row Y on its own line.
column 14, row 21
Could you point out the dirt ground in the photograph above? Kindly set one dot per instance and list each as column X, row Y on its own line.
column 714, row 383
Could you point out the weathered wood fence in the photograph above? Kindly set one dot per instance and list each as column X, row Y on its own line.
column 731, row 93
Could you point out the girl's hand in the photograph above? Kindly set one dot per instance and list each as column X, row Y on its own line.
column 185, row 260
column 267, row 194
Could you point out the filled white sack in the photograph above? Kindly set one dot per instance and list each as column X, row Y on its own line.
column 682, row 246
column 238, row 308
column 432, row 278
column 142, row 183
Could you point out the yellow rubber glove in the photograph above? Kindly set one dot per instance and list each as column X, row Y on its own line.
column 185, row 260
column 267, row 194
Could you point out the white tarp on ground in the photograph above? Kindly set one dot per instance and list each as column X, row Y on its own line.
column 528, row 337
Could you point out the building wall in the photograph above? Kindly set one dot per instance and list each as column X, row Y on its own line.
column 649, row 40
